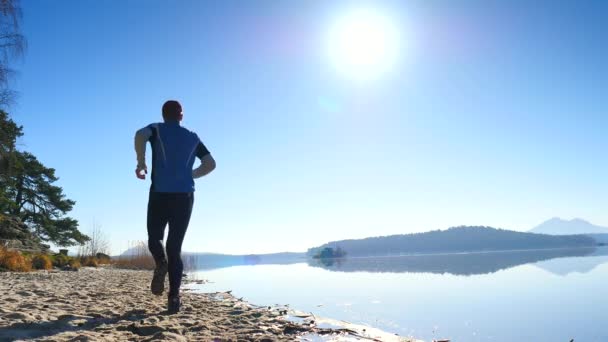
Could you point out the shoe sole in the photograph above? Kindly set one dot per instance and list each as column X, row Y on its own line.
column 158, row 284
column 175, row 308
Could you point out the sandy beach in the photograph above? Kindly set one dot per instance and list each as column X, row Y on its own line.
column 113, row 304
column 107, row 304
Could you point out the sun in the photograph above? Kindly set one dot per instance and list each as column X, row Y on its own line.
column 363, row 44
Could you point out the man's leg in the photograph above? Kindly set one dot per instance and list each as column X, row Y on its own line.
column 181, row 210
column 157, row 221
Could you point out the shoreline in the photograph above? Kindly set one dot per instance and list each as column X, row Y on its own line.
column 113, row 304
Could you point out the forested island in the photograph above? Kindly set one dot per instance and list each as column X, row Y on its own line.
column 453, row 240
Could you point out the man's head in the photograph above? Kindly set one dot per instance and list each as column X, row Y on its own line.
column 172, row 111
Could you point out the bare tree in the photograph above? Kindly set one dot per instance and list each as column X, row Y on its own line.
column 98, row 242
column 12, row 45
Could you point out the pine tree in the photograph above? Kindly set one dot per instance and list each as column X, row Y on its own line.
column 32, row 196
column 9, row 132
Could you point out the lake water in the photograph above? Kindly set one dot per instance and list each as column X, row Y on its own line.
column 555, row 295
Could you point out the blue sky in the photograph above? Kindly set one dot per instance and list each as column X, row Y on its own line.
column 494, row 114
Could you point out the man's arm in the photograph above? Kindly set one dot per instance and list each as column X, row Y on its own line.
column 141, row 138
column 207, row 162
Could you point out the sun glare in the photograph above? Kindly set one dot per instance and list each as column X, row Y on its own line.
column 363, row 44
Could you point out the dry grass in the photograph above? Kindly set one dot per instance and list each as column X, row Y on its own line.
column 89, row 261
column 14, row 261
column 103, row 260
column 42, row 262
column 140, row 258
column 135, row 262
column 75, row 263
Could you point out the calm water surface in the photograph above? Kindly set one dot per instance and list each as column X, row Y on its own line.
column 513, row 296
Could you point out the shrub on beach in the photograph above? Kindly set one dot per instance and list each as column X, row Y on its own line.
column 42, row 262
column 60, row 260
column 90, row 262
column 14, row 261
column 75, row 263
column 103, row 259
column 63, row 261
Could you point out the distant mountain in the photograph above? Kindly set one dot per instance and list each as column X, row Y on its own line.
column 455, row 240
column 138, row 248
column 557, row 226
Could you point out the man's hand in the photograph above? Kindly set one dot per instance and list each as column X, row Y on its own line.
column 207, row 165
column 140, row 174
column 141, row 137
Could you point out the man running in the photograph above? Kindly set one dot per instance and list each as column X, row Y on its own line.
column 171, row 194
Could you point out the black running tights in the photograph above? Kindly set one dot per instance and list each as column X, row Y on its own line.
column 174, row 209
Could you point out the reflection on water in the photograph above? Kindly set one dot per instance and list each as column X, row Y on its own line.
column 543, row 295
column 565, row 266
column 458, row 264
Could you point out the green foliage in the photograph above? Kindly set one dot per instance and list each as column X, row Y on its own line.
column 330, row 253
column 60, row 260
column 9, row 133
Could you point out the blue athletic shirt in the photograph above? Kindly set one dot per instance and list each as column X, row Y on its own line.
column 174, row 149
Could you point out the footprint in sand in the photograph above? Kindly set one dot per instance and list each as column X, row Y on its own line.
column 17, row 315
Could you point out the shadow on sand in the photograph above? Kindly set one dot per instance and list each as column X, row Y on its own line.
column 76, row 323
